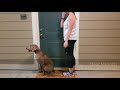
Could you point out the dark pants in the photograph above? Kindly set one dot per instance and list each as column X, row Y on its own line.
column 69, row 53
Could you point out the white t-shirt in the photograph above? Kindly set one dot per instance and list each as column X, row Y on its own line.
column 73, row 35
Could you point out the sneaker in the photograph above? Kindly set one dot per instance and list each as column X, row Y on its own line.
column 68, row 74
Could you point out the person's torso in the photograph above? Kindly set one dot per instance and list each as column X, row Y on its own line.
column 73, row 35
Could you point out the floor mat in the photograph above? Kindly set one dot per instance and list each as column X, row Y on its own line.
column 57, row 74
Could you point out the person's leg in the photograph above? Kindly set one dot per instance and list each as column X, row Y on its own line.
column 71, row 53
column 74, row 62
column 70, row 56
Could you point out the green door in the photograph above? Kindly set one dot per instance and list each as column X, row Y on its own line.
column 51, row 40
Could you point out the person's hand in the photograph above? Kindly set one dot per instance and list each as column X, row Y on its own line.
column 65, row 44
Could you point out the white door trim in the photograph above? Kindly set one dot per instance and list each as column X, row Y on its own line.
column 76, row 48
column 35, row 29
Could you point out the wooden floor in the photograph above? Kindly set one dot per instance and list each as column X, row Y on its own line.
column 57, row 74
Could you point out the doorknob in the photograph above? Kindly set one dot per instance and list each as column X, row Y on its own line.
column 41, row 36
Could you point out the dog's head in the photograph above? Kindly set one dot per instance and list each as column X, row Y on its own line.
column 33, row 48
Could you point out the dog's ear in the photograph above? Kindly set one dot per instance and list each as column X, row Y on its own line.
column 35, row 48
column 32, row 48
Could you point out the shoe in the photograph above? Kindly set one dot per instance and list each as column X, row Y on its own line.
column 68, row 74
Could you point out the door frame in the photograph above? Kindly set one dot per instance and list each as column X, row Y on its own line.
column 76, row 47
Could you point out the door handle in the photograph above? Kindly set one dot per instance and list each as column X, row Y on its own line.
column 41, row 36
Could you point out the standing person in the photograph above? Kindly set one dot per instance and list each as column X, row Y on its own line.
column 70, row 37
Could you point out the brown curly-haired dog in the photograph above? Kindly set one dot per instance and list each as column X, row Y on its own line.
column 45, row 64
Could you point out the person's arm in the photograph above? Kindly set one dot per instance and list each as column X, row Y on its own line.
column 62, row 20
column 71, row 21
